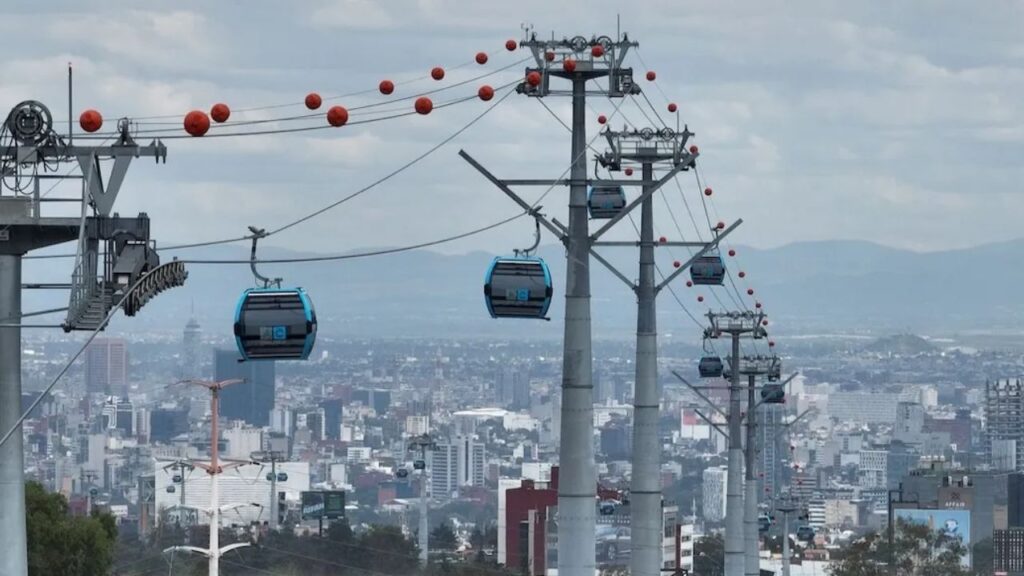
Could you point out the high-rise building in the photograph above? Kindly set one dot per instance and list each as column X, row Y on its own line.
column 190, row 342
column 770, row 442
column 521, row 389
column 165, row 424
column 457, row 462
column 909, row 420
column 332, row 418
column 106, row 367
column 252, row 399
column 873, row 469
column 1004, row 426
column 715, row 486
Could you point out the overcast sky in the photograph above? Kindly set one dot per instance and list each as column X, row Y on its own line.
column 898, row 122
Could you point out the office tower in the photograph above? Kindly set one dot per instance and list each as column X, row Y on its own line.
column 332, row 418
column 253, row 399
column 715, row 485
column 106, row 367
column 1004, row 428
column 378, row 399
column 521, row 389
column 873, row 469
column 457, row 462
column 772, row 449
column 190, row 342
column 165, row 424
column 909, row 421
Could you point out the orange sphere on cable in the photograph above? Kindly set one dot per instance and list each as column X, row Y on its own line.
column 651, row 75
column 720, row 225
column 672, row 107
column 662, row 239
column 676, row 264
column 689, row 283
column 732, row 252
column 569, row 65
column 437, row 73
column 386, row 87
column 601, row 119
column 533, row 78
column 481, row 57
column 628, row 171
column 694, row 149
column 510, row 45
column 597, row 51
column 750, row 291
column 742, row 274
column 700, row 298
column 485, row 92
column 424, row 105
column 549, row 56
column 337, row 116
column 708, row 192
column 90, row 120
column 313, row 101
column 220, row 113
column 757, row 305
column 197, row 123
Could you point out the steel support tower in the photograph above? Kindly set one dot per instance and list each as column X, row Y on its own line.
column 736, row 325
column 421, row 445
column 32, row 148
column 272, row 456
column 647, row 147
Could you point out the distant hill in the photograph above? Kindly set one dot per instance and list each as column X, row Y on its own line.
column 901, row 345
column 807, row 287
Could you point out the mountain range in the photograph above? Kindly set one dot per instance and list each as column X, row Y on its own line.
column 829, row 286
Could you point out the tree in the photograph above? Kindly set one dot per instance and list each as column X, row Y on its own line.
column 917, row 551
column 60, row 544
column 443, row 538
column 709, row 556
column 386, row 549
column 340, row 531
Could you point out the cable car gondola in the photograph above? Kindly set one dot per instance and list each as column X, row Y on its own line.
column 176, row 478
column 710, row 367
column 282, row 477
column 518, row 286
column 419, row 465
column 402, row 473
column 805, row 533
column 171, row 490
column 773, row 394
column 708, row 269
column 605, row 201
column 273, row 323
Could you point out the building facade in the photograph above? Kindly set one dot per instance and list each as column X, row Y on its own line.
column 252, row 399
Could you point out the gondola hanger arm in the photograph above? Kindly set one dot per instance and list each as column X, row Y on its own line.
column 258, row 233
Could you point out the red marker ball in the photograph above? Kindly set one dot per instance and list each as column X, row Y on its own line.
column 628, row 171
column 337, row 116
column 720, row 225
column 750, row 291
column 424, row 105
column 700, row 298
column 569, row 65
column 313, row 101
column 651, row 75
column 597, row 51
column 689, row 283
column 220, row 113
column 694, row 149
column 732, row 252
column 485, row 92
column 386, row 87
column 742, row 274
column 676, row 264
column 601, row 119
column 707, row 192
column 533, row 78
column 90, row 120
column 437, row 73
column 672, row 107
column 481, row 57
column 197, row 123
column 511, row 45
column 549, row 56
column 662, row 239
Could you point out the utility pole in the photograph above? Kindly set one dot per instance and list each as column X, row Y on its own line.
column 272, row 456
column 647, row 147
column 736, row 325
column 182, row 468
column 421, row 445
column 24, row 228
column 578, row 60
